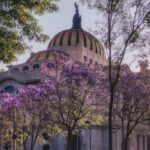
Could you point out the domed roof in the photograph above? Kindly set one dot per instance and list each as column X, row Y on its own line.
column 44, row 55
column 75, row 36
column 71, row 37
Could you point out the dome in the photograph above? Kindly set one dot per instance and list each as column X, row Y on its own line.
column 75, row 42
column 44, row 55
column 74, row 37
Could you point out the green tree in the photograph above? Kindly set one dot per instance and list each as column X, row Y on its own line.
column 18, row 24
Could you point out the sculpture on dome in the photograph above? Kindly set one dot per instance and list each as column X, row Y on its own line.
column 77, row 8
column 77, row 18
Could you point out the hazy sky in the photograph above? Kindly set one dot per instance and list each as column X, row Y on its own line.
column 53, row 23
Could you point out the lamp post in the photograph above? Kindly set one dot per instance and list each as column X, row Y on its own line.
column 115, row 130
column 46, row 146
column 89, row 123
column 77, row 142
column 14, row 135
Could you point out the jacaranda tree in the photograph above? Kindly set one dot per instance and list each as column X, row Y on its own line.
column 73, row 92
column 34, row 114
column 76, row 95
column 8, row 105
column 132, row 101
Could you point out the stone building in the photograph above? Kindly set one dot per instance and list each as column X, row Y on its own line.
column 81, row 46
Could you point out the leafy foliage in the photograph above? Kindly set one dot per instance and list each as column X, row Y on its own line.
column 124, row 28
column 18, row 24
column 131, row 110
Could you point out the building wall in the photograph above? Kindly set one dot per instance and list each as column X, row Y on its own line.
column 77, row 53
column 97, row 139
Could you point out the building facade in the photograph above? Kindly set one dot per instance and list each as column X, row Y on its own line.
column 81, row 46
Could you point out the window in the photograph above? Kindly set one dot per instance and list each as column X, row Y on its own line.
column 36, row 66
column 143, row 142
column 25, row 68
column 10, row 89
column 100, row 51
column 90, row 61
column 96, row 63
column 148, row 142
column 85, row 59
column 138, row 142
column 96, row 51
column 46, row 147
column 76, row 142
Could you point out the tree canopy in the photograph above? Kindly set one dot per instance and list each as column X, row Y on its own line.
column 124, row 29
column 19, row 24
column 70, row 97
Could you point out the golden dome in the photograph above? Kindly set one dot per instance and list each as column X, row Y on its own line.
column 73, row 37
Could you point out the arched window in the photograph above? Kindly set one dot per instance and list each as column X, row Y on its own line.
column 96, row 63
column 25, row 68
column 76, row 142
column 36, row 66
column 90, row 61
column 10, row 89
column 85, row 59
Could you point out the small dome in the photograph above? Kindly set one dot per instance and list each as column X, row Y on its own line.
column 44, row 55
column 73, row 37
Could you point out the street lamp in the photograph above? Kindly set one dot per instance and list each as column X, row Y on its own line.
column 78, row 140
column 115, row 129
column 14, row 136
column 46, row 146
column 89, row 123
column 115, row 132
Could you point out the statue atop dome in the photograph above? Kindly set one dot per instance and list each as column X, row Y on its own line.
column 77, row 18
column 76, row 7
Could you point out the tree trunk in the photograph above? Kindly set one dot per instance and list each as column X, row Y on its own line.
column 69, row 140
column 110, row 119
column 125, row 144
column 32, row 145
column 24, row 146
column 24, row 143
column 14, row 144
column 122, row 130
column 0, row 140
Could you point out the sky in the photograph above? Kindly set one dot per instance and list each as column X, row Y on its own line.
column 53, row 23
